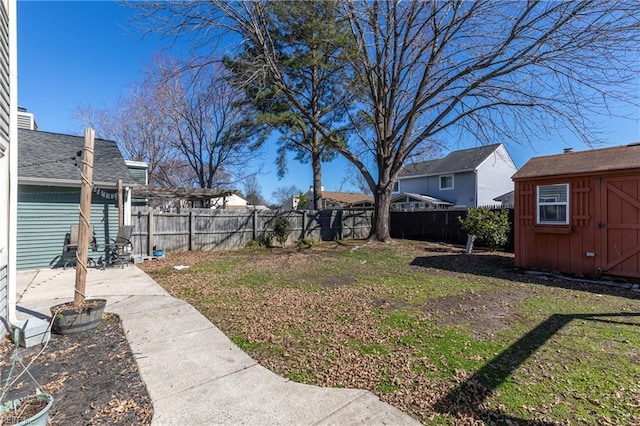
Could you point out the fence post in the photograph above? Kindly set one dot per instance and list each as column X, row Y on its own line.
column 255, row 224
column 304, row 224
column 192, row 229
column 150, row 232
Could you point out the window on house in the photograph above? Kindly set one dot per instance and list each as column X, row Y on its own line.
column 553, row 204
column 396, row 186
column 446, row 182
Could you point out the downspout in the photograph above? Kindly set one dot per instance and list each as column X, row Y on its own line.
column 13, row 163
column 475, row 187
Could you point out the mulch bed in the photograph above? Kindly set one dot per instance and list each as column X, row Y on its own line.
column 92, row 376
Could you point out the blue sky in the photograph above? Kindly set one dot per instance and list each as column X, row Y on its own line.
column 85, row 52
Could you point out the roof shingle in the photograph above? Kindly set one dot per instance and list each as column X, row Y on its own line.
column 44, row 155
column 456, row 161
column 590, row 161
column 346, row 198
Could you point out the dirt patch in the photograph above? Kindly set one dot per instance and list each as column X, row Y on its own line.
column 92, row 376
column 484, row 313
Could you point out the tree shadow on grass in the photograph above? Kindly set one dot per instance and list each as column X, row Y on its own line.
column 468, row 398
column 501, row 266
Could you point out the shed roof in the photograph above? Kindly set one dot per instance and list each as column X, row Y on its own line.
column 591, row 161
column 456, row 161
column 44, row 156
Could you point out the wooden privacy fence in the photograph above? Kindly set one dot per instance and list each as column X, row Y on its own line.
column 205, row 229
column 436, row 225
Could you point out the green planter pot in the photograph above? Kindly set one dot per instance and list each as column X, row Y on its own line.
column 38, row 419
column 68, row 319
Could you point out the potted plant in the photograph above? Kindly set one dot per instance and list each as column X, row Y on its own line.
column 31, row 410
column 25, row 410
column 82, row 314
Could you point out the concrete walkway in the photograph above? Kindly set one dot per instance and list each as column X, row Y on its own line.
column 194, row 374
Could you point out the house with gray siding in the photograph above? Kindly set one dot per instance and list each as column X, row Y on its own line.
column 470, row 177
column 49, row 195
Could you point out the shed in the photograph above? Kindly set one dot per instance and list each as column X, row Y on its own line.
column 49, row 194
column 579, row 212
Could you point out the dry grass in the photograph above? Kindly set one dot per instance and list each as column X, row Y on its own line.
column 446, row 337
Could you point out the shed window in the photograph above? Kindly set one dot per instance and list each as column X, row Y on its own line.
column 446, row 182
column 553, row 204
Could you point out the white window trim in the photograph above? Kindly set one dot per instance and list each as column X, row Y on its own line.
column 538, row 204
column 446, row 188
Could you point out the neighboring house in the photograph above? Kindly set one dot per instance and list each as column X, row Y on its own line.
column 579, row 212
column 8, row 160
column 340, row 200
column 506, row 200
column 49, row 194
column 469, row 177
column 229, row 202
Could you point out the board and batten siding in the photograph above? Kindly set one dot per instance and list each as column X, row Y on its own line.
column 45, row 215
column 494, row 176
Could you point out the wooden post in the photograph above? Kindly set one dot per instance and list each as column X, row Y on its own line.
column 192, row 229
column 304, row 224
column 82, row 253
column 150, row 233
column 120, row 205
column 255, row 224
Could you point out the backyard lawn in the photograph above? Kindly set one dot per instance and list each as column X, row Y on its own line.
column 446, row 337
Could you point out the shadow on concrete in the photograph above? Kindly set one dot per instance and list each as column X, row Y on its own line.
column 469, row 396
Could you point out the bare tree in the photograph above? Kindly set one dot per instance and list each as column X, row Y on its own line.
column 138, row 126
column 282, row 194
column 253, row 190
column 428, row 70
column 209, row 125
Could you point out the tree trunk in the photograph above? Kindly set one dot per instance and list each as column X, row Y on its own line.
column 317, row 180
column 380, row 229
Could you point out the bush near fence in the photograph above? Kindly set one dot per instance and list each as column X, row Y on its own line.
column 206, row 229
column 437, row 225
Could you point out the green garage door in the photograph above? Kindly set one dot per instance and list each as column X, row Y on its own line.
column 45, row 215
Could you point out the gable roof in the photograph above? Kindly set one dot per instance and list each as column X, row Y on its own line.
column 346, row 198
column 464, row 160
column 49, row 157
column 590, row 161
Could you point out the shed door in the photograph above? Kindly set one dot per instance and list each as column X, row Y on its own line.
column 619, row 226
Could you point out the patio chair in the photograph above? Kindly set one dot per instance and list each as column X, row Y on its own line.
column 121, row 248
column 71, row 246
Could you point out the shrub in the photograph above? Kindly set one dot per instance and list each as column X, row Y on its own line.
column 305, row 242
column 488, row 226
column 281, row 229
column 262, row 241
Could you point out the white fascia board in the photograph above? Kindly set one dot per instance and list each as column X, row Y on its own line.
column 140, row 164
